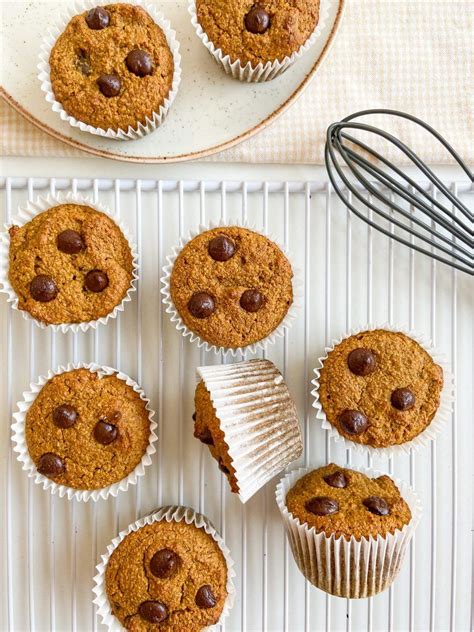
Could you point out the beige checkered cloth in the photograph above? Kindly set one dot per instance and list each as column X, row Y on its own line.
column 411, row 55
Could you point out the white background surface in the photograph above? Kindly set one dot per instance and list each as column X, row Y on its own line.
column 358, row 278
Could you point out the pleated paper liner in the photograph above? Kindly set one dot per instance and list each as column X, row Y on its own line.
column 24, row 215
column 142, row 129
column 258, row 418
column 172, row 513
column 431, row 431
column 261, row 72
column 27, row 464
column 347, row 568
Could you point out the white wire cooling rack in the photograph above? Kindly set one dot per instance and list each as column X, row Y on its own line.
column 352, row 276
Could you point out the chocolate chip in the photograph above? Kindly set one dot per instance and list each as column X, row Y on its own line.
column 322, row 505
column 164, row 563
column 205, row 436
column 205, row 597
column 70, row 242
column 43, row 288
column 403, row 399
column 64, row 416
column 139, row 62
column 376, row 505
column 96, row 280
column 336, row 479
column 201, row 305
column 98, row 19
column 223, row 468
column 221, row 248
column 153, row 611
column 109, row 85
column 353, row 422
column 361, row 361
column 257, row 20
column 251, row 300
column 104, row 432
column 194, row 416
column 115, row 416
column 50, row 464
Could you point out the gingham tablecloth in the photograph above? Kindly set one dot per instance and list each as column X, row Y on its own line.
column 411, row 55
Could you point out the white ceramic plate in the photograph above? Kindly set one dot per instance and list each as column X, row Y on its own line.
column 212, row 112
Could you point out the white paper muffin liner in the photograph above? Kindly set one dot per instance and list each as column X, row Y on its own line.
column 193, row 337
column 431, row 431
column 27, row 464
column 258, row 418
column 347, row 568
column 141, row 130
column 24, row 215
column 172, row 513
column 261, row 72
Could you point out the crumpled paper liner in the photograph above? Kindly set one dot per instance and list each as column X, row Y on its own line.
column 431, row 431
column 258, row 418
column 347, row 568
column 25, row 214
column 44, row 72
column 27, row 464
column 173, row 513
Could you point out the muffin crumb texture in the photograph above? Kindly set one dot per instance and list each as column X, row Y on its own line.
column 167, row 576
column 86, row 431
column 343, row 502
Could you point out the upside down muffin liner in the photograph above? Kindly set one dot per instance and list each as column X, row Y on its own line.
column 278, row 332
column 258, row 418
column 261, row 72
column 28, row 212
column 131, row 133
column 21, row 448
column 347, row 568
column 436, row 425
column 170, row 513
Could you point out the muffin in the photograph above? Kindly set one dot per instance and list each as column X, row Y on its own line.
column 379, row 388
column 245, row 414
column 231, row 286
column 348, row 529
column 69, row 264
column 112, row 67
column 168, row 573
column 87, row 429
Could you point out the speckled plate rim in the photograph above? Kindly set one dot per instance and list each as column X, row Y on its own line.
column 23, row 456
column 197, row 154
column 170, row 513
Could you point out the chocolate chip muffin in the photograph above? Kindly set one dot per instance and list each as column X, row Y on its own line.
column 231, row 286
column 112, row 67
column 87, row 431
column 343, row 502
column 258, row 32
column 69, row 264
column 380, row 388
column 169, row 576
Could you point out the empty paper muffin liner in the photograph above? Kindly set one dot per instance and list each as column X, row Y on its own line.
column 284, row 325
column 142, row 129
column 347, row 568
column 261, row 72
column 21, row 448
column 431, row 431
column 173, row 513
column 258, row 418
column 24, row 215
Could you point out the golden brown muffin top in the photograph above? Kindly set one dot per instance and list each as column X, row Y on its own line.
column 380, row 388
column 87, row 431
column 72, row 246
column 258, row 32
column 231, row 286
column 96, row 45
column 176, row 569
column 340, row 501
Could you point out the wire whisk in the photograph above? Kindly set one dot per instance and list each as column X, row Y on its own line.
column 413, row 215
